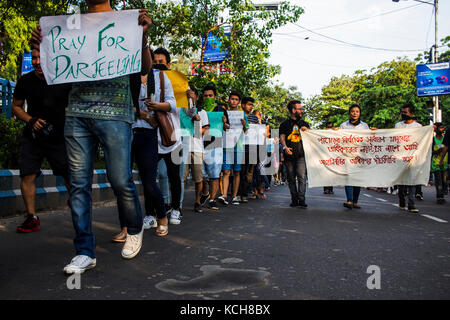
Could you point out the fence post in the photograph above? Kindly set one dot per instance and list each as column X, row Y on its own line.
column 11, row 87
column 3, row 92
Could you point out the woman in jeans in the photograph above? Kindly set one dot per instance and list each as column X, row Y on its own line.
column 354, row 123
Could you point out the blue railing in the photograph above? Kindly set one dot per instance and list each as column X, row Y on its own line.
column 6, row 94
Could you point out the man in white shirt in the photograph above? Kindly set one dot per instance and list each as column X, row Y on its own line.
column 407, row 114
column 195, row 150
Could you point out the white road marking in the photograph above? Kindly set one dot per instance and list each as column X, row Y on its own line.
column 433, row 218
column 368, row 195
column 381, row 199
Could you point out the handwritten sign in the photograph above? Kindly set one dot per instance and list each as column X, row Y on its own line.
column 102, row 46
column 233, row 134
column 367, row 158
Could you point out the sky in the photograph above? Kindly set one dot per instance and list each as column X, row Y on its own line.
column 310, row 63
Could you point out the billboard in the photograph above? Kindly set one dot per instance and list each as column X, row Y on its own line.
column 433, row 79
column 213, row 50
column 26, row 63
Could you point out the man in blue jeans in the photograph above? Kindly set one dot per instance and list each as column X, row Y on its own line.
column 102, row 112
column 291, row 140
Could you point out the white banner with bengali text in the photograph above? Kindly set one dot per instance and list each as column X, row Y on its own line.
column 90, row 47
column 368, row 158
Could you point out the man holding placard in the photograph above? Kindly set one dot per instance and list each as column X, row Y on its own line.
column 218, row 121
column 100, row 110
column 251, row 152
column 233, row 151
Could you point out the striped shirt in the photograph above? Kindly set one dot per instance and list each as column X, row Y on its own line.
column 252, row 118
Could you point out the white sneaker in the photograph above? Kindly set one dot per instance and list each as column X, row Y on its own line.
column 175, row 217
column 150, row 222
column 235, row 201
column 223, row 199
column 132, row 245
column 80, row 264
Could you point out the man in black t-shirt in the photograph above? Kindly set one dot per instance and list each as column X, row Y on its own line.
column 291, row 140
column 43, row 136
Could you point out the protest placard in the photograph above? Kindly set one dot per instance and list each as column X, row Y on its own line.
column 368, row 158
column 233, row 134
column 215, row 124
column 103, row 45
column 186, row 123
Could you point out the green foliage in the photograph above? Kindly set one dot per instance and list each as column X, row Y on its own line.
column 17, row 21
column 180, row 26
column 272, row 101
column 10, row 133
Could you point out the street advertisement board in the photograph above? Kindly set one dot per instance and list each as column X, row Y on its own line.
column 433, row 79
column 214, row 50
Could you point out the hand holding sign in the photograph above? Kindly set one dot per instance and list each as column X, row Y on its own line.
column 144, row 20
column 101, row 49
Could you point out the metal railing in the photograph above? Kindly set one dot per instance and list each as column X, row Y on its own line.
column 6, row 95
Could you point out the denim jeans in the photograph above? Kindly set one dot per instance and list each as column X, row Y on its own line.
column 163, row 180
column 82, row 138
column 440, row 181
column 402, row 194
column 352, row 193
column 296, row 168
column 173, row 173
column 144, row 150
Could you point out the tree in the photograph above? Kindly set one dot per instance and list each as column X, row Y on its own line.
column 181, row 26
column 17, row 21
column 272, row 100
column 380, row 92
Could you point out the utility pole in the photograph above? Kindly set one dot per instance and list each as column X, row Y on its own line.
column 437, row 116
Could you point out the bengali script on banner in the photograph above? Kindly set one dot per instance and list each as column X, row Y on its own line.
column 368, row 158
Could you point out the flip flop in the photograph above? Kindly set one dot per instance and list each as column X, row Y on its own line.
column 162, row 231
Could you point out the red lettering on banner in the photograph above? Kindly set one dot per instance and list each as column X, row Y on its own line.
column 375, row 139
column 399, row 139
column 408, row 159
column 371, row 149
column 333, row 161
column 392, row 148
column 413, row 146
column 343, row 149
column 352, row 139
column 359, row 160
column 325, row 140
column 385, row 159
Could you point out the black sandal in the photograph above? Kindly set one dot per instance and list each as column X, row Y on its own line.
column 348, row 206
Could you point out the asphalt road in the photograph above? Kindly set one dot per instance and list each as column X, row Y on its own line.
column 260, row 250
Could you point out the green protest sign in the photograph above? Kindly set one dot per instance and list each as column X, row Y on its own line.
column 186, row 123
column 215, row 124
